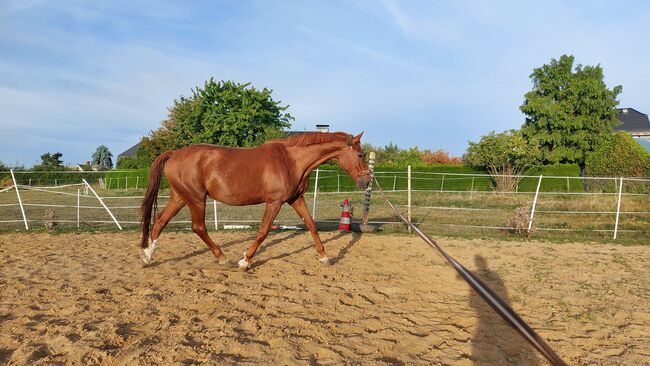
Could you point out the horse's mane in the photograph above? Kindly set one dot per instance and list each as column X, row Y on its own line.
column 311, row 138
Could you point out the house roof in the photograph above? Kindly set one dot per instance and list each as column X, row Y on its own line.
column 633, row 121
column 129, row 152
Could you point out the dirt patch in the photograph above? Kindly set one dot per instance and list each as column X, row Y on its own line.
column 84, row 299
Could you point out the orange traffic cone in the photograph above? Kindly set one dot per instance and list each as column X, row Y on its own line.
column 344, row 223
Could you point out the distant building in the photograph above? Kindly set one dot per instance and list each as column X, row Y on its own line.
column 323, row 128
column 87, row 167
column 130, row 152
column 636, row 123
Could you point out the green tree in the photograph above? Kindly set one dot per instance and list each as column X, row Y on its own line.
column 223, row 113
column 569, row 111
column 3, row 167
column 228, row 114
column 389, row 154
column 103, row 157
column 50, row 161
column 505, row 155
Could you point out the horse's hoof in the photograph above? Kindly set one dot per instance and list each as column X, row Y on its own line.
column 244, row 265
column 145, row 261
column 227, row 264
column 325, row 261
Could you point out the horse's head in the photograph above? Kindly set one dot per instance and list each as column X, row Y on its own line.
column 352, row 159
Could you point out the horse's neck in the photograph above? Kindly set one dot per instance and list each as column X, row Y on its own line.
column 311, row 156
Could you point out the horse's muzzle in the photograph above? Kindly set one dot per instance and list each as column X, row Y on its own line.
column 363, row 182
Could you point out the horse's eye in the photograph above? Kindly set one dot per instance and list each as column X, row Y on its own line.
column 360, row 154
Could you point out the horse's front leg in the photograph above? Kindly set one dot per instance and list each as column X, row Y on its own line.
column 270, row 212
column 301, row 209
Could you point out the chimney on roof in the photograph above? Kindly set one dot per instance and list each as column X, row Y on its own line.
column 323, row 128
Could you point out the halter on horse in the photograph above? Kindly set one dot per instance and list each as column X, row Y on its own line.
column 274, row 173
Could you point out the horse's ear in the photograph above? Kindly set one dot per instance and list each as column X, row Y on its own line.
column 357, row 138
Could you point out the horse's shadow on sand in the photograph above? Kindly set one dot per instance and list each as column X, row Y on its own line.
column 275, row 241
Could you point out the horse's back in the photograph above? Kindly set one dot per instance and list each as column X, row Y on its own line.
column 236, row 176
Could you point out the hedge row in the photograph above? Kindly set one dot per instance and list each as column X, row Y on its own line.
column 49, row 178
column 395, row 178
column 332, row 178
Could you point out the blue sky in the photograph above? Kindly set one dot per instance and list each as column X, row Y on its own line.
column 77, row 74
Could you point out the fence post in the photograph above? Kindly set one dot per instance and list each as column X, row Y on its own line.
column 20, row 201
column 30, row 182
column 618, row 207
column 366, row 200
column 126, row 184
column 394, row 182
column 471, row 190
column 568, row 189
column 56, row 182
column 408, row 189
column 103, row 204
column 78, row 204
column 313, row 207
column 442, row 184
column 214, row 207
column 338, row 183
column 532, row 211
column 137, row 182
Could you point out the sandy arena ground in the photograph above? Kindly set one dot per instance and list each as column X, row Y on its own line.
column 84, row 299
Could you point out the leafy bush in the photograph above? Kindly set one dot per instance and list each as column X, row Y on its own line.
column 618, row 156
column 392, row 155
column 505, row 155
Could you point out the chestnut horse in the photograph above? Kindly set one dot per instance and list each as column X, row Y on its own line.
column 274, row 173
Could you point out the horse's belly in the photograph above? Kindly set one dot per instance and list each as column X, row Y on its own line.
column 236, row 198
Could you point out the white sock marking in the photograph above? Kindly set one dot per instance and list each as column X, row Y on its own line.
column 243, row 263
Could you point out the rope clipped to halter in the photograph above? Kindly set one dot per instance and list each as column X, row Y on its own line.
column 491, row 298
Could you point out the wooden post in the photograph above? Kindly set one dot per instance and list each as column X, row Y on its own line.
column 137, row 182
column 532, row 211
column 394, row 182
column 366, row 200
column 442, row 184
column 313, row 207
column 618, row 207
column 338, row 183
column 408, row 189
column 20, row 201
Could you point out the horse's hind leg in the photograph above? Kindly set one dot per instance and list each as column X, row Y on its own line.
column 197, row 209
column 171, row 209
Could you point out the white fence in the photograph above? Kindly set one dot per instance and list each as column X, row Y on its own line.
column 447, row 201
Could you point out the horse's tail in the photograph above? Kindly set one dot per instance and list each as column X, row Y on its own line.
column 150, row 202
